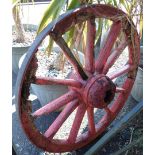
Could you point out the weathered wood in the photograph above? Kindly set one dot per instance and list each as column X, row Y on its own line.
column 29, row 67
column 113, row 131
column 89, row 53
column 68, row 53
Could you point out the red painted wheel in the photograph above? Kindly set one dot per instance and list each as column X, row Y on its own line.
column 91, row 86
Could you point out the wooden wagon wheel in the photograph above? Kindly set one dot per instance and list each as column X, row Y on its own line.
column 90, row 86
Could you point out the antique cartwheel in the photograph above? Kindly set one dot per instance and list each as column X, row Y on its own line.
column 90, row 86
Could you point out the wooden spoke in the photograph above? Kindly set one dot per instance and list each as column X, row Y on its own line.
column 76, row 124
column 120, row 72
column 91, row 122
column 50, row 81
column 113, row 57
column 89, row 53
column 122, row 96
column 52, row 130
column 56, row 104
column 106, row 49
column 120, row 90
column 109, row 113
column 66, row 50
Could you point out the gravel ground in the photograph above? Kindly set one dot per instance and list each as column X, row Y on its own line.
column 29, row 38
column 50, row 66
column 132, row 132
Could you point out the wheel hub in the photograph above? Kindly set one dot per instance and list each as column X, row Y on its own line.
column 99, row 91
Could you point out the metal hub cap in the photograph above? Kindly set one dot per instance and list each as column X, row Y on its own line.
column 99, row 91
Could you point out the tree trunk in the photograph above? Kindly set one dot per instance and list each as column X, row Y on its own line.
column 18, row 26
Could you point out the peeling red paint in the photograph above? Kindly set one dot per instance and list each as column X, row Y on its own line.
column 89, row 86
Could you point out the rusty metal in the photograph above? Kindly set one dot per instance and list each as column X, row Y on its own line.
column 89, row 86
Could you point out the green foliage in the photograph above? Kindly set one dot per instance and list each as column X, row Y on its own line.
column 73, row 4
column 55, row 9
column 52, row 12
column 16, row 11
column 70, row 34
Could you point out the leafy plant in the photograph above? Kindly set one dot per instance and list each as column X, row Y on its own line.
column 132, row 7
column 77, row 34
column 17, row 20
column 55, row 9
